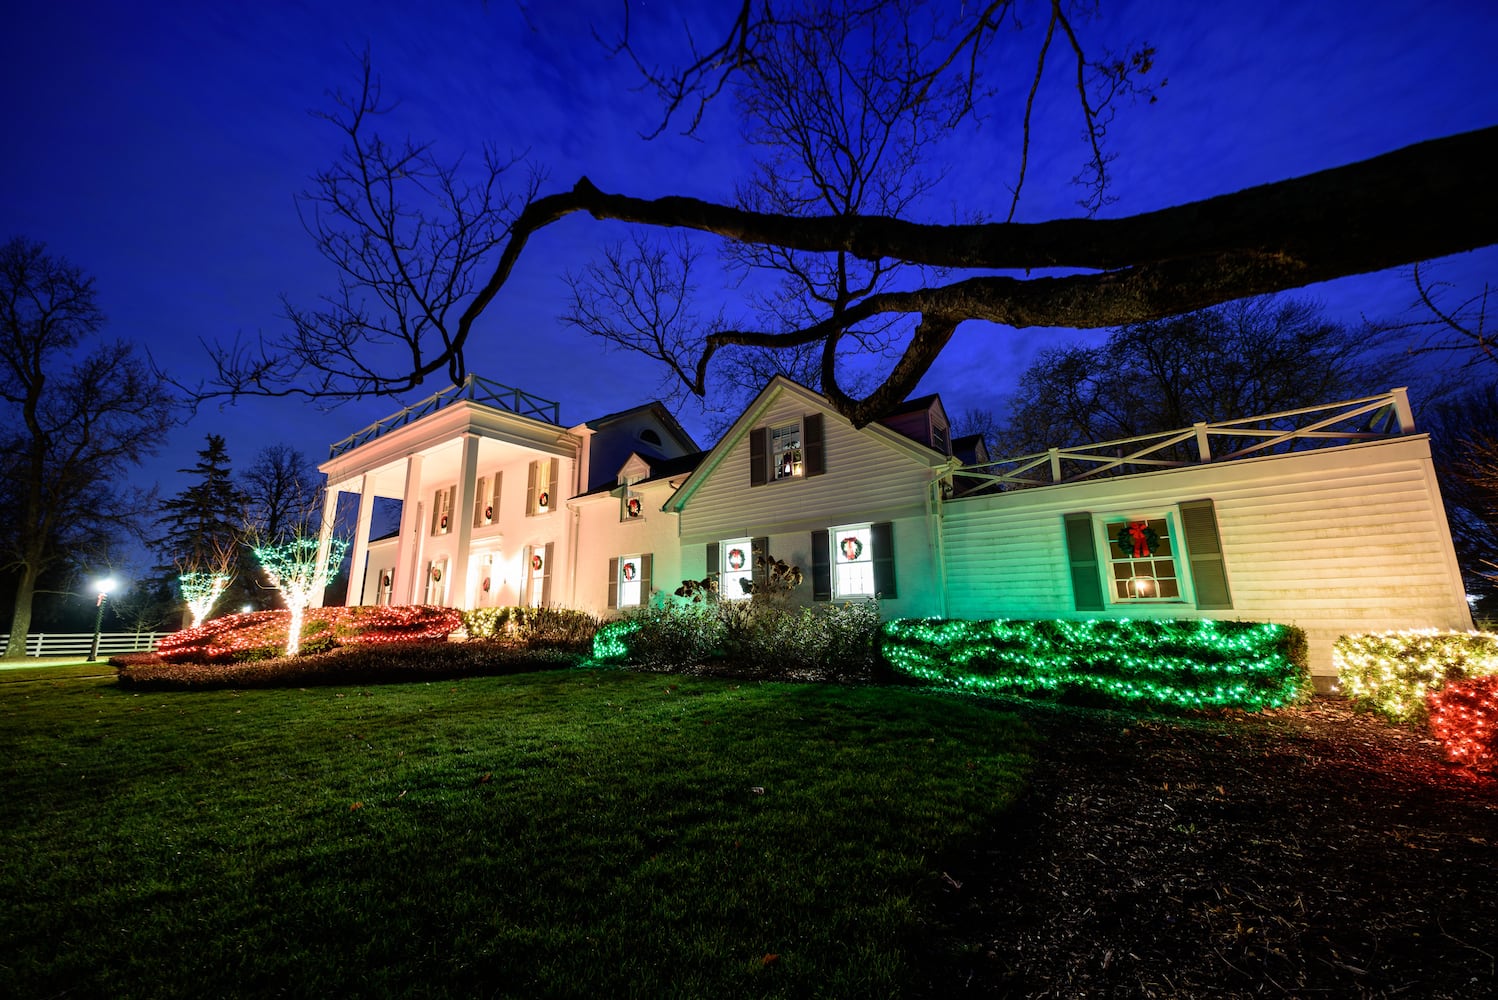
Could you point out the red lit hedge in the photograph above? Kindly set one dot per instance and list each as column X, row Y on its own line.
column 261, row 634
column 1464, row 717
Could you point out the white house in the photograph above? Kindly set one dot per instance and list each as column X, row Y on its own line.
column 1328, row 518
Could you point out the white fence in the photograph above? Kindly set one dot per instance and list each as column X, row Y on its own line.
column 78, row 643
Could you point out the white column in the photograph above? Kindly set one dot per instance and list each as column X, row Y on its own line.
column 325, row 541
column 468, row 473
column 358, row 572
column 408, row 549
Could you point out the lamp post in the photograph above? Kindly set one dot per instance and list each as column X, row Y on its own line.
column 102, row 588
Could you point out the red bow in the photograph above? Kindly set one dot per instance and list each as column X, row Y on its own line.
column 1136, row 535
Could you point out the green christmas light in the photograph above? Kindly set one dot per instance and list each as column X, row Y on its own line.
column 293, row 569
column 201, row 591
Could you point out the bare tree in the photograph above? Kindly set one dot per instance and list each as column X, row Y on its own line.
column 80, row 414
column 414, row 238
column 283, row 492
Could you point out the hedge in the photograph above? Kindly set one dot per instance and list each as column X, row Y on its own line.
column 1391, row 673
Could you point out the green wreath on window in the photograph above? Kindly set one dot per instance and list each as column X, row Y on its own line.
column 535, row 562
column 629, row 571
column 1137, row 540
column 851, row 548
column 736, row 559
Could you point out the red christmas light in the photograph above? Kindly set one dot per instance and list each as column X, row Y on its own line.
column 226, row 639
column 1464, row 717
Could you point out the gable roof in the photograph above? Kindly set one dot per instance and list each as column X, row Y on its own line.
column 660, row 468
column 776, row 387
column 655, row 407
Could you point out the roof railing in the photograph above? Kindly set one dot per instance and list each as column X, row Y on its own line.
column 474, row 389
column 1373, row 417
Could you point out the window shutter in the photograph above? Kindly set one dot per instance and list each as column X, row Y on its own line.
column 480, row 500
column 1081, row 553
column 882, row 535
column 813, row 455
column 645, row 568
column 614, row 582
column 712, row 558
column 551, row 485
column 530, row 489
column 821, row 565
column 759, row 462
column 546, row 576
column 1209, row 575
column 758, row 573
column 494, row 497
column 436, row 510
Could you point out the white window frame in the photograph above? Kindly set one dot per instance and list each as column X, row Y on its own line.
column 1107, row 530
column 729, row 588
column 772, row 455
column 630, row 585
column 844, row 569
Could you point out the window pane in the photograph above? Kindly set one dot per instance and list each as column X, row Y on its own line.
column 785, row 451
column 629, row 582
column 737, row 569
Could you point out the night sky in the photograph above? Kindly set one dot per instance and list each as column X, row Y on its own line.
column 159, row 147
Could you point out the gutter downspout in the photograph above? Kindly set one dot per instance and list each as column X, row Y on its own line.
column 934, row 519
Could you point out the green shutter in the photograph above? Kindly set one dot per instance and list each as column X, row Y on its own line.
column 758, row 571
column 646, row 565
column 759, row 461
column 813, row 454
column 1209, row 577
column 821, row 565
column 614, row 583
column 1081, row 554
column 882, row 537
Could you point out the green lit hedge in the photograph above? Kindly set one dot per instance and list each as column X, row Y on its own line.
column 1180, row 664
column 1391, row 673
column 560, row 627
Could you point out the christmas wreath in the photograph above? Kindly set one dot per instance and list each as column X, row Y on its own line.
column 535, row 562
column 486, row 585
column 629, row 571
column 444, row 522
column 851, row 547
column 544, row 500
column 385, row 580
column 489, row 513
column 1137, row 540
column 735, row 559
column 632, row 505
column 436, row 573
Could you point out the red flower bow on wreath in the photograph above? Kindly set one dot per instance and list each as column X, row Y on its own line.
column 1138, row 540
column 535, row 562
column 629, row 571
column 736, row 559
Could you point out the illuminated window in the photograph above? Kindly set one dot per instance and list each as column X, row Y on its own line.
column 541, row 490
column 736, row 571
column 852, row 561
column 436, row 589
column 785, row 451
column 631, row 574
column 442, row 510
column 631, row 506
column 1142, row 559
column 486, row 500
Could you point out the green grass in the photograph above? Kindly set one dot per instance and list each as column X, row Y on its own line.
column 573, row 833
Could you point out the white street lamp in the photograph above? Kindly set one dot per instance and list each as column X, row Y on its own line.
column 102, row 588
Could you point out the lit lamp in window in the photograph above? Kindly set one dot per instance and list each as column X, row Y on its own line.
column 102, row 588
column 1142, row 586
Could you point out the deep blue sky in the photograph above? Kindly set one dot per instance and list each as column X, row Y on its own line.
column 159, row 147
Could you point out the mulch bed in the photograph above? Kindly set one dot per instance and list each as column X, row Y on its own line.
column 1308, row 851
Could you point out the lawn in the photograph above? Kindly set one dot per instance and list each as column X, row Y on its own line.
column 555, row 834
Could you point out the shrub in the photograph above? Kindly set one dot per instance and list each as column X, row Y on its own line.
column 557, row 627
column 747, row 638
column 261, row 635
column 370, row 663
column 1179, row 664
column 1391, row 673
column 1464, row 717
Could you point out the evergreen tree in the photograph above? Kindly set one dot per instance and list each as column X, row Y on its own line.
column 203, row 528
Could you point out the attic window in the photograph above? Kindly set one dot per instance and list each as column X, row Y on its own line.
column 650, row 437
column 785, row 451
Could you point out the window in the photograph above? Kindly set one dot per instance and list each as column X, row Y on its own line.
column 650, row 437
column 629, row 581
column 486, row 500
column 939, row 438
column 852, row 561
column 385, row 586
column 737, row 570
column 436, row 589
column 536, row 575
column 785, row 451
column 442, row 510
column 541, row 488
column 1141, row 559
column 631, row 506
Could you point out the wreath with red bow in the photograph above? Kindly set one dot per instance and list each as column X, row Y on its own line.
column 1137, row 540
column 535, row 562
column 544, row 500
column 629, row 571
column 436, row 573
column 735, row 559
column 852, row 548
column 632, row 506
column 489, row 513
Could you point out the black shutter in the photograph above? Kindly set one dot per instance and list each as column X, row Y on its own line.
column 821, row 565
column 1209, row 576
column 645, row 567
column 712, row 559
column 759, row 462
column 614, row 582
column 882, row 535
column 759, row 573
column 1081, row 553
column 813, row 454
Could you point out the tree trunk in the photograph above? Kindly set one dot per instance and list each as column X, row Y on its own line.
column 20, row 622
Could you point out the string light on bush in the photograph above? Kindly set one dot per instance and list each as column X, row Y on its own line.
column 1392, row 673
column 264, row 633
column 1464, row 717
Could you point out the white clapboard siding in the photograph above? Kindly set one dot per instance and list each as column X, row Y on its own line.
column 1338, row 540
column 867, row 479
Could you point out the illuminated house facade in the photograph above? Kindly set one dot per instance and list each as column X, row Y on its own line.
column 1328, row 518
